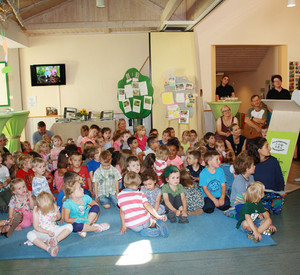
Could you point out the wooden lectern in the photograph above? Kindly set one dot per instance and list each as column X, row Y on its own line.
column 283, row 131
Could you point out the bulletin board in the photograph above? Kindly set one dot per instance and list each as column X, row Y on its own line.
column 4, row 91
column 294, row 74
column 135, row 94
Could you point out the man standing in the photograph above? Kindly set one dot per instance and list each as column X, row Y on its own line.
column 256, row 117
column 278, row 92
column 38, row 135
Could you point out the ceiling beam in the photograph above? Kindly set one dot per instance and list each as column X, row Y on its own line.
column 16, row 12
column 170, row 8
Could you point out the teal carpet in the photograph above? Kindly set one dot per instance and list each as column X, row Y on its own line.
column 204, row 232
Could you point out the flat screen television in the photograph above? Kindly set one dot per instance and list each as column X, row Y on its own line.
column 48, row 74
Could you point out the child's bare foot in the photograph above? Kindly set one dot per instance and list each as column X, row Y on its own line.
column 18, row 228
column 198, row 211
column 53, row 250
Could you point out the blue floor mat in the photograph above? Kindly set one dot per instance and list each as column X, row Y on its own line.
column 205, row 232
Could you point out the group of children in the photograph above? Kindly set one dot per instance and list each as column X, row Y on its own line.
column 150, row 180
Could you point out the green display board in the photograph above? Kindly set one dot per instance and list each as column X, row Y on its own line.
column 135, row 94
column 282, row 147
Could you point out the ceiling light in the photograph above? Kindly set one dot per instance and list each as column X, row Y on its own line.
column 291, row 3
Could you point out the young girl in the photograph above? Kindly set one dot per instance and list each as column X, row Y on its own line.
column 194, row 198
column 152, row 192
column 141, row 136
column 122, row 161
column 21, row 202
column 254, row 219
column 93, row 134
column 148, row 162
column 42, row 148
column 220, row 148
column 117, row 139
column 47, row 138
column 26, row 147
column 185, row 142
column 160, row 163
column 125, row 136
column 57, row 147
column 62, row 168
column 173, row 159
column 173, row 195
column 47, row 234
column 106, row 132
column 81, row 210
column 84, row 131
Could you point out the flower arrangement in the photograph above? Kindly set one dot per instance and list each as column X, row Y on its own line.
column 83, row 114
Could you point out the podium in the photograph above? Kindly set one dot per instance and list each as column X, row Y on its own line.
column 283, row 131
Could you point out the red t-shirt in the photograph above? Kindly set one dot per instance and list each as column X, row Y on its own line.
column 84, row 174
column 26, row 176
column 142, row 143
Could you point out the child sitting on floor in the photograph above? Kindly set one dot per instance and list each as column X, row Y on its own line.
column 134, row 146
column 106, row 181
column 62, row 168
column 213, row 184
column 153, row 145
column 227, row 166
column 141, row 136
column 160, row 163
column 173, row 158
column 25, row 172
column 194, row 198
column 4, row 187
column 152, row 192
column 47, row 234
column 254, row 219
column 173, row 195
column 94, row 164
column 165, row 137
column 210, row 140
column 136, row 211
column 194, row 166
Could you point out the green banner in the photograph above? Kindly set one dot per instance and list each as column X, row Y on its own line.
column 282, row 147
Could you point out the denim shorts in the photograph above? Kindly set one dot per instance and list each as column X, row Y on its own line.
column 142, row 226
column 107, row 200
column 256, row 222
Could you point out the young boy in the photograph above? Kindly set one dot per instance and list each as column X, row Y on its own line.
column 153, row 145
column 106, row 179
column 213, row 184
column 220, row 148
column 10, row 163
column 134, row 146
column 136, row 211
column 25, row 172
column 165, row 137
column 194, row 137
column 76, row 160
column 210, row 140
column 264, row 131
column 93, row 165
column 194, row 165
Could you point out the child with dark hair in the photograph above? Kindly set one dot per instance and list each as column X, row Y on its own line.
column 106, row 132
column 210, row 140
column 166, row 135
column 194, row 137
column 194, row 198
column 62, row 168
column 153, row 133
column 194, row 166
column 134, row 146
column 153, row 145
column 152, row 192
column 149, row 161
column 173, row 158
column 227, row 166
column 213, row 184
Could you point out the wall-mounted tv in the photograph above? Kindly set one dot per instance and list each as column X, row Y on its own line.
column 48, row 74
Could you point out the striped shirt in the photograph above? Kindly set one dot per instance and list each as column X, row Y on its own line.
column 132, row 203
column 159, row 166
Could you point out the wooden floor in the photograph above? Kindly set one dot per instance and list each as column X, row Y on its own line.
column 283, row 258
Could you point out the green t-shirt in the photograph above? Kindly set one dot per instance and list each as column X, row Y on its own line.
column 167, row 189
column 251, row 209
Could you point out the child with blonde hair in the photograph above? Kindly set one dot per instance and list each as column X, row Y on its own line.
column 57, row 147
column 141, row 136
column 185, row 141
column 47, row 234
column 21, row 202
column 152, row 192
column 220, row 148
column 42, row 148
column 26, row 147
column 160, row 163
column 92, row 135
column 122, row 161
column 84, row 131
column 136, row 212
column 39, row 182
column 117, row 139
column 25, row 172
column 254, row 219
column 47, row 138
column 81, row 210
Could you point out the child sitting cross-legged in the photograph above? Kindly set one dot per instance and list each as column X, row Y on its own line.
column 25, row 172
column 160, row 163
column 47, row 234
column 213, row 184
column 136, row 212
column 173, row 195
column 152, row 192
column 194, row 198
column 254, row 219
column 194, row 166
column 106, row 181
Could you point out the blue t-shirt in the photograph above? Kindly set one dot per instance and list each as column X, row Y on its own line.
column 228, row 176
column 59, row 200
column 93, row 165
column 212, row 181
column 78, row 210
column 36, row 137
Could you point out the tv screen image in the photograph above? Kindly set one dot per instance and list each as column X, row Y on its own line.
column 48, row 74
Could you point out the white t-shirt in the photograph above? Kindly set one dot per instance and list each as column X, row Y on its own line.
column 4, row 173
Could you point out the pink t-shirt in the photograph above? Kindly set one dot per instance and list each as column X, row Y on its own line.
column 175, row 162
column 142, row 142
column 85, row 139
column 132, row 203
column 54, row 154
column 117, row 145
column 59, row 181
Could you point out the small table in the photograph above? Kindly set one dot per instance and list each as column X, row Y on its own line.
column 216, row 107
column 4, row 117
column 72, row 129
column 13, row 129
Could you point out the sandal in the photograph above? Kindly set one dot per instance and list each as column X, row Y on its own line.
column 15, row 221
column 102, row 226
column 251, row 237
column 82, row 234
column 53, row 250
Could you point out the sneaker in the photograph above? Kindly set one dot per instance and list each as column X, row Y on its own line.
column 268, row 232
column 251, row 237
column 82, row 234
column 182, row 219
column 161, row 225
column 230, row 213
column 150, row 232
column 102, row 226
column 172, row 217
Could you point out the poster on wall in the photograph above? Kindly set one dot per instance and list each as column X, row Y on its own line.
column 185, row 117
column 173, row 111
column 147, row 102
column 126, row 106
column 294, row 75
